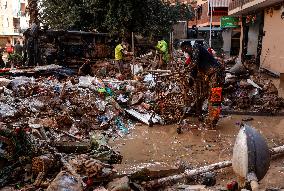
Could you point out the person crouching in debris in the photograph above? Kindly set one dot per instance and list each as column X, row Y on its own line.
column 162, row 48
column 120, row 52
column 209, row 78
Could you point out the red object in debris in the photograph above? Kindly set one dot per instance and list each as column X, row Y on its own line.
column 17, row 130
column 5, row 70
column 90, row 182
column 210, row 50
column 188, row 61
column 216, row 95
column 233, row 186
column 10, row 49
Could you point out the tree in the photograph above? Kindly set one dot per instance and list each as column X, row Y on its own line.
column 114, row 16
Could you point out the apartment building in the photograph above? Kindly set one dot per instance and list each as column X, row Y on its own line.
column 262, row 31
column 13, row 20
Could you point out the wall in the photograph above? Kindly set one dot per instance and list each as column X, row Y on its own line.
column 200, row 2
column 6, row 17
column 272, row 56
column 180, row 30
column 227, row 38
column 253, row 39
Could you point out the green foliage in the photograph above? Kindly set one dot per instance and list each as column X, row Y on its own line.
column 114, row 16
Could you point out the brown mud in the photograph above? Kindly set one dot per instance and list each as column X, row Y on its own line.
column 197, row 147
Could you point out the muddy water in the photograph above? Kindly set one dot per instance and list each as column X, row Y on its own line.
column 197, row 147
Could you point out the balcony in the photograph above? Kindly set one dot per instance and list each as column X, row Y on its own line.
column 238, row 3
column 16, row 30
column 243, row 7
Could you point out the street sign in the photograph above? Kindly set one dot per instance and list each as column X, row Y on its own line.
column 229, row 22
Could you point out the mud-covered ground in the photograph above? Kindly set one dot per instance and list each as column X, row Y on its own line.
column 198, row 147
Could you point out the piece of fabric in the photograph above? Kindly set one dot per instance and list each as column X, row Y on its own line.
column 118, row 52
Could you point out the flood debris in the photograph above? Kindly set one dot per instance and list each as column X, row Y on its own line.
column 56, row 122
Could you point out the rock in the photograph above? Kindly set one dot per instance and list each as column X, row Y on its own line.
column 65, row 181
column 119, row 184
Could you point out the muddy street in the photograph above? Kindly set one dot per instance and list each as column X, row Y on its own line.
column 198, row 147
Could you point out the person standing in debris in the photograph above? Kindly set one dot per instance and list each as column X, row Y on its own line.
column 162, row 48
column 18, row 49
column 2, row 63
column 209, row 78
column 120, row 52
column 9, row 47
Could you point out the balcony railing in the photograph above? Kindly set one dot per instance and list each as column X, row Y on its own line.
column 17, row 30
column 238, row 3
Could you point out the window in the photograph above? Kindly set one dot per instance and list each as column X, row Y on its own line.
column 23, row 9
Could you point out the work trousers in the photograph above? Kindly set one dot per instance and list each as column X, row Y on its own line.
column 210, row 87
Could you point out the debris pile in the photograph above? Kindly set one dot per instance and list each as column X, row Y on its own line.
column 55, row 126
column 48, row 125
column 253, row 96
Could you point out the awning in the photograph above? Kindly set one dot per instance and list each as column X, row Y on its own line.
column 208, row 28
column 218, row 3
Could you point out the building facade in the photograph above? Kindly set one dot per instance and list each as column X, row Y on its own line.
column 262, row 31
column 13, row 20
column 223, row 40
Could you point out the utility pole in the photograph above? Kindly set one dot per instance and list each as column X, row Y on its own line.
column 210, row 3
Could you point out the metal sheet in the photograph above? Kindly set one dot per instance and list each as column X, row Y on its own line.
column 143, row 117
column 219, row 3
